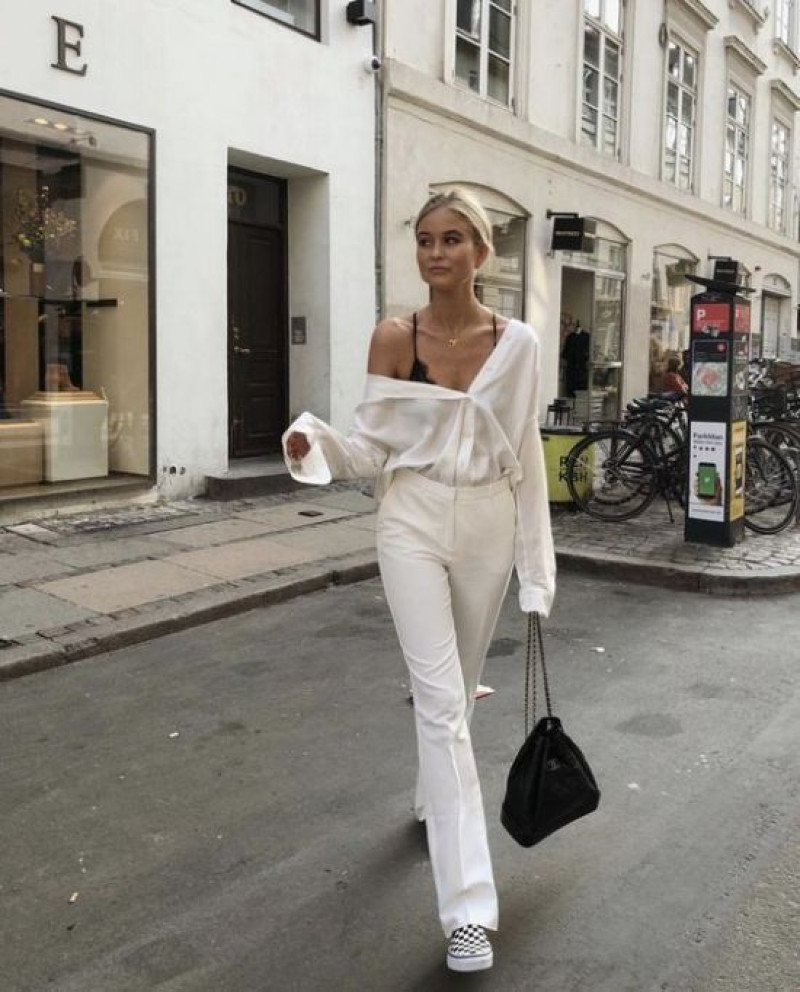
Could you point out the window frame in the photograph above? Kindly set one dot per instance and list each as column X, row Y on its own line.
column 484, row 52
column 777, row 120
column 741, row 90
column 606, row 34
column 786, row 19
column 692, row 48
column 262, row 7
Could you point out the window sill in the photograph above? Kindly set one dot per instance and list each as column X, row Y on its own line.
column 781, row 48
column 754, row 11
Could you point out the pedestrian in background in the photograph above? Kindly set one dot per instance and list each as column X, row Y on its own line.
column 448, row 428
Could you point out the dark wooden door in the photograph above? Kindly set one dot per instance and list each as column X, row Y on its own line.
column 256, row 339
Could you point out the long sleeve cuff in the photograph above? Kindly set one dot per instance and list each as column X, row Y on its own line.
column 313, row 469
column 533, row 600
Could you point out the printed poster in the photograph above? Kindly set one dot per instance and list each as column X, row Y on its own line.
column 738, row 440
column 707, row 471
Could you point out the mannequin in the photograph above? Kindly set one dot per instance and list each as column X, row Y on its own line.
column 575, row 355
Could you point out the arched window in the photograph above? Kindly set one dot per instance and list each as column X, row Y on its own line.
column 500, row 284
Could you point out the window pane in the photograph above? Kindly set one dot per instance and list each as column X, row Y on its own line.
column 612, row 59
column 732, row 104
column 689, row 70
column 74, row 322
column 498, row 80
column 468, row 64
column 591, row 46
column 674, row 60
column 503, row 4
column 468, row 17
column 744, row 110
column 592, row 7
column 301, row 14
column 612, row 17
column 687, row 111
column 609, row 136
column 500, row 33
column 673, row 94
column 589, row 124
column 610, row 98
column 685, row 146
column 671, row 139
column 591, row 87
column 685, row 176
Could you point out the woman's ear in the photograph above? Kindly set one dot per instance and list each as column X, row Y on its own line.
column 482, row 254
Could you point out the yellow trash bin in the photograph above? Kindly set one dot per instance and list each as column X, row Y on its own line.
column 557, row 443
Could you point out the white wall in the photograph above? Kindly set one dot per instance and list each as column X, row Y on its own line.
column 209, row 77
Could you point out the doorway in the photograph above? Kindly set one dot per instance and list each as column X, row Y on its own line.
column 257, row 314
column 592, row 305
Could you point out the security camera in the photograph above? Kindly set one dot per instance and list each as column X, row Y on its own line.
column 373, row 64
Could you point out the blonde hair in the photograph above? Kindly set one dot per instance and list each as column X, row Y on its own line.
column 464, row 203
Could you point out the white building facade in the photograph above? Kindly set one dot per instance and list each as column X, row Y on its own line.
column 671, row 126
column 187, row 210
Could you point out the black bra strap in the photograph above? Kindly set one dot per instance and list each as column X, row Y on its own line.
column 414, row 322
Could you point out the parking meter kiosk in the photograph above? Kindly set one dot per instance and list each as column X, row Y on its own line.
column 718, row 356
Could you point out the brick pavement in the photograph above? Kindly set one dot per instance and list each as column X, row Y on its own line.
column 76, row 585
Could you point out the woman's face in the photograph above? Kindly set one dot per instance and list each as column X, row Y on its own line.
column 447, row 253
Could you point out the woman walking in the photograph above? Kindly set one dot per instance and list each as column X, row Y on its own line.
column 448, row 428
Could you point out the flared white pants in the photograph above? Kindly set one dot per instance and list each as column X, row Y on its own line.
column 445, row 558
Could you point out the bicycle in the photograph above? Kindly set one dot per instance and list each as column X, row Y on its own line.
column 617, row 471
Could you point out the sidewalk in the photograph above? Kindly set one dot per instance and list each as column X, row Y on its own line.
column 77, row 585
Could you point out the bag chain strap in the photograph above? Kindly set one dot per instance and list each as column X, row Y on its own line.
column 535, row 641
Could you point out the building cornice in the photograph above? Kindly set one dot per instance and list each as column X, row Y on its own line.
column 705, row 17
column 785, row 93
column 436, row 101
column 754, row 10
column 747, row 55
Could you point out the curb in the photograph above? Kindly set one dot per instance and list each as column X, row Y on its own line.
column 169, row 616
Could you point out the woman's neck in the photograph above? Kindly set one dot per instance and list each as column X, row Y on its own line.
column 454, row 310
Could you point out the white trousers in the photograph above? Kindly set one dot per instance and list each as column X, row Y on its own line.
column 445, row 557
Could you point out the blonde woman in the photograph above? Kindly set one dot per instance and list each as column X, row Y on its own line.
column 448, row 428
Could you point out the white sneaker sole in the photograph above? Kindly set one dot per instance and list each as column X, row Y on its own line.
column 475, row 962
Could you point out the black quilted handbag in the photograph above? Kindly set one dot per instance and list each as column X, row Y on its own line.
column 550, row 783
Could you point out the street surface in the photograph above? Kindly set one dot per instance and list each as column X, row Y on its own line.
column 228, row 809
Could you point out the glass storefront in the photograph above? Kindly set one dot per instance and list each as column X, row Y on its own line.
column 592, row 322
column 75, row 363
column 670, row 307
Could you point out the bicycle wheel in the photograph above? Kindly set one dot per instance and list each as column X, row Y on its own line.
column 785, row 437
column 612, row 475
column 770, row 488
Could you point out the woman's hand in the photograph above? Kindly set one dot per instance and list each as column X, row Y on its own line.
column 297, row 446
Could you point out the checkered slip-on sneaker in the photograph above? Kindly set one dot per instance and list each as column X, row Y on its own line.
column 469, row 949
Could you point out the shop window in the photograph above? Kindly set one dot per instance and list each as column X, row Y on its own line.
column 302, row 15
column 74, row 297
column 670, row 307
column 484, row 56
column 784, row 22
column 501, row 281
column 591, row 340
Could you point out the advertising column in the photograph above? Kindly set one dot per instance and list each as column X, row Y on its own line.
column 717, row 414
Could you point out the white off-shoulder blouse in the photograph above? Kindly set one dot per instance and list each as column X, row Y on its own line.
column 469, row 438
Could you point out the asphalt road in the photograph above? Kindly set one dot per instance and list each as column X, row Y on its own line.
column 229, row 809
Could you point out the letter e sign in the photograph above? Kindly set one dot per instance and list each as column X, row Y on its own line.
column 69, row 37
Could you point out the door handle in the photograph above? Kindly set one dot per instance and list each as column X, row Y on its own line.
column 240, row 351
